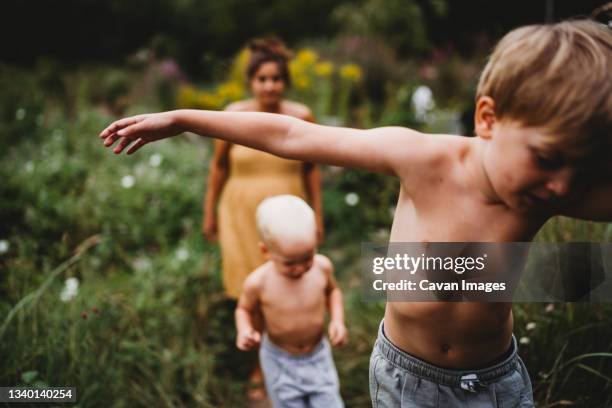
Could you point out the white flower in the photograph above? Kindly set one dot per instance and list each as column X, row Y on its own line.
column 524, row 340
column 155, row 160
column 351, row 199
column 550, row 308
column 392, row 211
column 182, row 254
column 530, row 326
column 4, row 246
column 20, row 114
column 29, row 167
column 422, row 100
column 127, row 181
column 70, row 290
column 141, row 264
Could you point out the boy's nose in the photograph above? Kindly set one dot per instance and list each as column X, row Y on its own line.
column 561, row 182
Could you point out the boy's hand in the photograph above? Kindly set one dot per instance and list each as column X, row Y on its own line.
column 338, row 334
column 248, row 340
column 140, row 130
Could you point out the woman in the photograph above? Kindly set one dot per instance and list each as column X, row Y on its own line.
column 240, row 177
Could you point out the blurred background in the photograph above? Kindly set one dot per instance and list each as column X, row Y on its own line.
column 106, row 282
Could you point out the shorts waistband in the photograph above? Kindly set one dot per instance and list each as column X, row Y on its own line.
column 275, row 350
column 458, row 378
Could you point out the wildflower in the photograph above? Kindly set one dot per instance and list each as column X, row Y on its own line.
column 230, row 91
column 141, row 264
column 127, row 181
column 20, row 114
column 155, row 160
column 95, row 310
column 524, row 340
column 351, row 199
column 84, row 315
column 324, row 69
column 29, row 167
column 70, row 290
column 187, row 97
column 182, row 254
column 550, row 308
column 306, row 57
column 301, row 81
column 422, row 100
column 351, row 72
column 4, row 246
column 530, row 326
column 207, row 100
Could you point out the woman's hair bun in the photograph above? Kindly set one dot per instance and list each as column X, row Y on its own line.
column 270, row 46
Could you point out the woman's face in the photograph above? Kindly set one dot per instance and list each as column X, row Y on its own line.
column 268, row 85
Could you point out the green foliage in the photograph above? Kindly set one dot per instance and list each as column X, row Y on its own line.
column 148, row 325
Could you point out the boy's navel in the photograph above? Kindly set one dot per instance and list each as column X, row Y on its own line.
column 445, row 348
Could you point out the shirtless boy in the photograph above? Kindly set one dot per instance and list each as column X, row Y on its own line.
column 291, row 291
column 544, row 125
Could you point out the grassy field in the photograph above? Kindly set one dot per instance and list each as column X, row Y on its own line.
column 148, row 324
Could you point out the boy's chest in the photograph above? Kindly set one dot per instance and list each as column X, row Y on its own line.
column 295, row 295
column 435, row 217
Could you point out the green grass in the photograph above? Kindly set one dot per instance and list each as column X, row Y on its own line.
column 150, row 326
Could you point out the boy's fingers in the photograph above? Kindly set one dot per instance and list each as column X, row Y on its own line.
column 122, row 145
column 139, row 143
column 117, row 125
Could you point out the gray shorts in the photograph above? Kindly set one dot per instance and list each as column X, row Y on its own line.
column 398, row 379
column 305, row 380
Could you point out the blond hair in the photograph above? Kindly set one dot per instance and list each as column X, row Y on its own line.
column 556, row 77
column 285, row 218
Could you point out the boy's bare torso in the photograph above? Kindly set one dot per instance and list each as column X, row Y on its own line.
column 293, row 309
column 442, row 207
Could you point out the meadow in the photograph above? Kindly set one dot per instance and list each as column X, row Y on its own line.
column 107, row 284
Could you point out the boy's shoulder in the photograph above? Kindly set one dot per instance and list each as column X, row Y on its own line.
column 256, row 279
column 324, row 263
column 422, row 158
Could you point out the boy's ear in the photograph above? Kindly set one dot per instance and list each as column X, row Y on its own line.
column 484, row 117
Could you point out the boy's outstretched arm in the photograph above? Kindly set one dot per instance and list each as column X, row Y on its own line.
column 381, row 149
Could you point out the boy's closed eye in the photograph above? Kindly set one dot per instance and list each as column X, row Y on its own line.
column 548, row 160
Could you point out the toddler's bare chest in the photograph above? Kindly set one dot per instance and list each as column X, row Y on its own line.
column 296, row 296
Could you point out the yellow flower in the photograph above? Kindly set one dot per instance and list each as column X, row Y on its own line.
column 237, row 72
column 351, row 72
column 324, row 69
column 301, row 82
column 230, row 91
column 187, row 97
column 208, row 100
column 306, row 56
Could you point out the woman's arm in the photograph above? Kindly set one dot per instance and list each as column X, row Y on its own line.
column 217, row 176
column 312, row 184
column 381, row 149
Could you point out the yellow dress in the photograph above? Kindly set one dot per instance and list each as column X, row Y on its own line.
column 253, row 176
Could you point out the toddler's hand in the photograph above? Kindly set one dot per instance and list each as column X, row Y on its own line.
column 141, row 130
column 248, row 340
column 338, row 334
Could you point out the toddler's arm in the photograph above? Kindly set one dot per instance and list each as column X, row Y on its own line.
column 381, row 149
column 247, row 337
column 337, row 332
